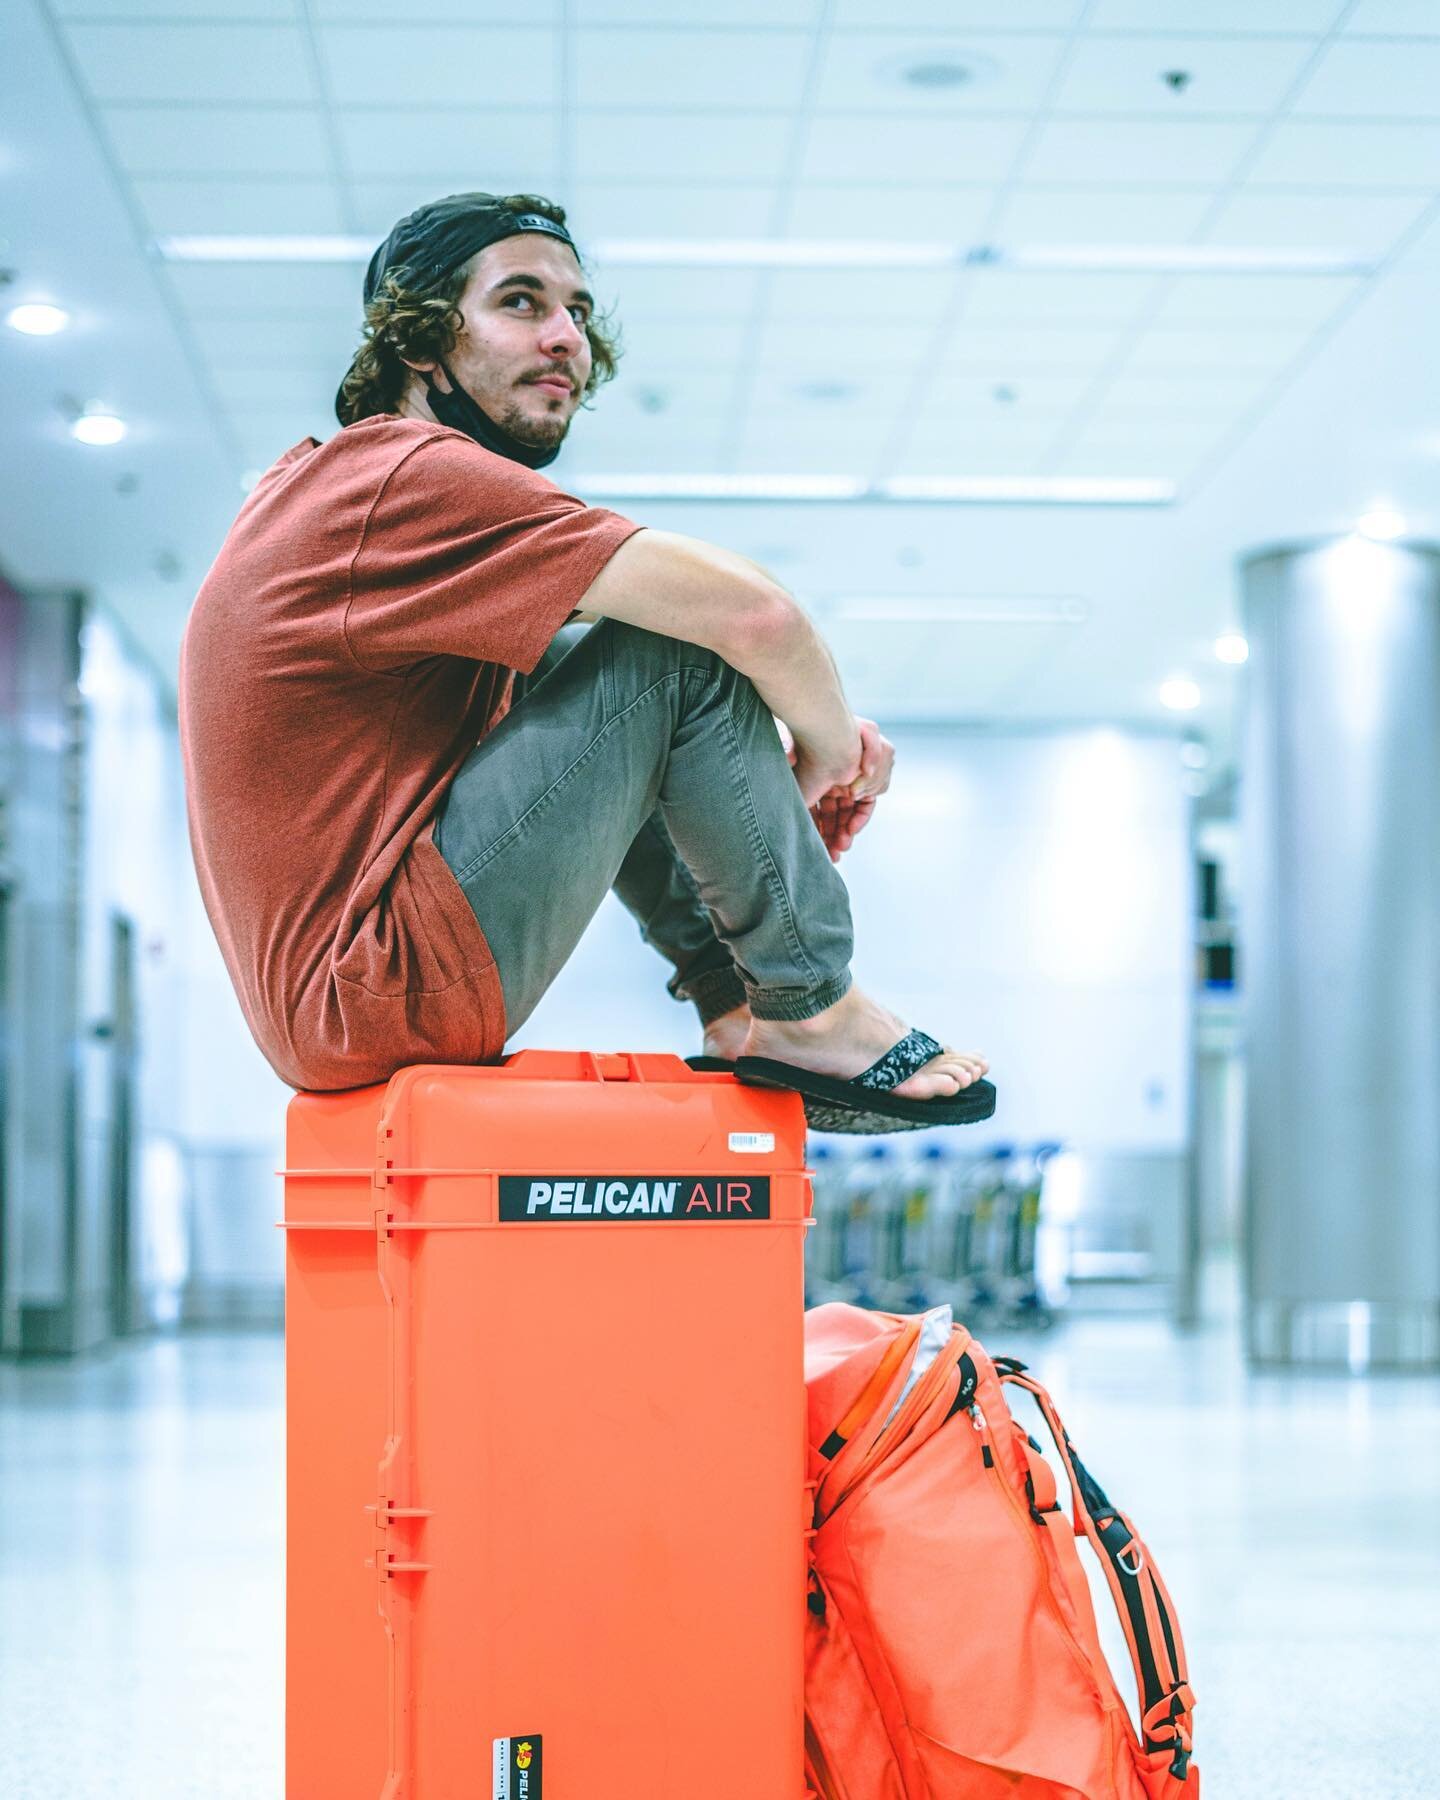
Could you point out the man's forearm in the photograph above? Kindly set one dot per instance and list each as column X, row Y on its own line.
column 795, row 675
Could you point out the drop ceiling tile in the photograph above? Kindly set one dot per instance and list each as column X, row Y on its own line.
column 378, row 205
column 614, row 439
column 908, row 213
column 673, row 391
column 267, row 289
column 1404, row 18
column 1007, row 352
column 752, row 13
column 715, row 147
column 1145, row 393
column 218, row 140
column 460, row 12
column 302, row 343
column 1091, row 153
column 1124, row 75
column 803, row 351
column 1303, row 17
column 676, row 295
column 1344, row 153
column 771, row 446
column 958, row 15
column 906, row 297
column 1117, row 215
column 934, row 446
column 383, row 143
column 1001, row 405
column 684, row 209
column 862, row 72
column 999, row 297
column 853, row 146
column 707, row 343
column 473, row 66
column 1283, row 300
column 276, row 205
column 1394, row 79
column 176, row 61
column 1368, row 224
column 1241, row 347
column 221, row 11
column 689, row 68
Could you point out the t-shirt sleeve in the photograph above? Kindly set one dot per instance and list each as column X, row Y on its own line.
column 467, row 554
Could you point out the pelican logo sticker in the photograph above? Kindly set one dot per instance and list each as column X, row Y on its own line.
column 517, row 1768
column 669, row 1197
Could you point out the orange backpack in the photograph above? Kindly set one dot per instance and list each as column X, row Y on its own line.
column 951, row 1645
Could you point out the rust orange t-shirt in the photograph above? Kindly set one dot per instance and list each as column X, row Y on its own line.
column 353, row 641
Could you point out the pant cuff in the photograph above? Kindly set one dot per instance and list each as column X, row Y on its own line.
column 799, row 1003
column 713, row 994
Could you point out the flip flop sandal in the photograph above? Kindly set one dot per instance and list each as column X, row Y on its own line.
column 828, row 1114
column 869, row 1095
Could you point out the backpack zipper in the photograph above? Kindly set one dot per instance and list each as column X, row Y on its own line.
column 1029, row 1527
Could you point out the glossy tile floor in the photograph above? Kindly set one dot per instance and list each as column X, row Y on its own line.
column 141, row 1561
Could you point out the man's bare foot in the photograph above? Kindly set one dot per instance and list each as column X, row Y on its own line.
column 726, row 1035
column 848, row 1037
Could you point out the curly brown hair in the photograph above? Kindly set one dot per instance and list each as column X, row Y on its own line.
column 421, row 323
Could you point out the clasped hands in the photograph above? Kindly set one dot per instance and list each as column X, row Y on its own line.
column 842, row 812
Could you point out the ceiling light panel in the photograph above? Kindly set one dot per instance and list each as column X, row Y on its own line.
column 689, row 68
column 462, row 65
column 849, row 147
column 1092, row 153
column 189, row 62
column 1123, row 75
column 1005, row 74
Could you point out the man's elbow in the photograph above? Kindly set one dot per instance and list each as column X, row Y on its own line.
column 763, row 628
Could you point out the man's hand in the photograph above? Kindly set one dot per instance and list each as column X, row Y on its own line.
column 842, row 812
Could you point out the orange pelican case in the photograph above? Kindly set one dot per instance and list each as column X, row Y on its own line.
column 547, row 1501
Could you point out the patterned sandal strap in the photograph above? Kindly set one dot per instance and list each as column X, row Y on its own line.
column 900, row 1063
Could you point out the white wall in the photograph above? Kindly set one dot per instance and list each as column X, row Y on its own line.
column 1027, row 895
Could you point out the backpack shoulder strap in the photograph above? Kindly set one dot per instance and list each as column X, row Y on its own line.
column 1147, row 1614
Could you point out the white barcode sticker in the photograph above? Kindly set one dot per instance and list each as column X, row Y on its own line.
column 752, row 1143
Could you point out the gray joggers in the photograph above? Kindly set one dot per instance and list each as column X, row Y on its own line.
column 647, row 764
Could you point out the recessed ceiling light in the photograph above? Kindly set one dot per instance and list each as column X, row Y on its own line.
column 1232, row 648
column 1180, row 695
column 96, row 426
column 939, row 70
column 1381, row 523
column 1054, row 490
column 1194, row 754
column 37, row 318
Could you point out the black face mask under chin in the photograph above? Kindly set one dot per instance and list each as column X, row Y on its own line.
column 459, row 411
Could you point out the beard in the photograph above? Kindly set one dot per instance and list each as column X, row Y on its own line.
column 544, row 433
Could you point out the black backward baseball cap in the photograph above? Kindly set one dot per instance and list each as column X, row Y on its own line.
column 436, row 238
